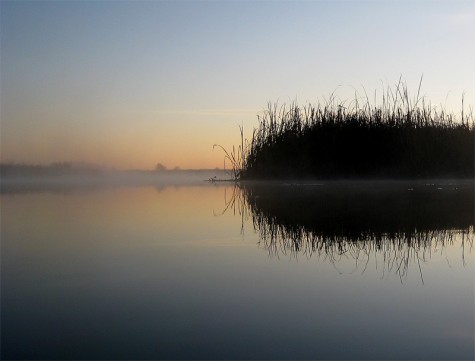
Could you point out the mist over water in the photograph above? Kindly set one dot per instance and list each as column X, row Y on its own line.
column 170, row 266
column 66, row 180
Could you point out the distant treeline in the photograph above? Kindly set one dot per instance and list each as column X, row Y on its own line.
column 399, row 139
column 54, row 169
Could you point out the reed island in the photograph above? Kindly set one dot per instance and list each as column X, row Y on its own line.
column 401, row 138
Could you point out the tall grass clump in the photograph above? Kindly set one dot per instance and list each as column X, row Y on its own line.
column 403, row 137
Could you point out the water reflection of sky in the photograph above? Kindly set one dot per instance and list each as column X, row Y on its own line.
column 141, row 273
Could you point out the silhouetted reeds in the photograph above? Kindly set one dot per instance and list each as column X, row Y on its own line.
column 400, row 138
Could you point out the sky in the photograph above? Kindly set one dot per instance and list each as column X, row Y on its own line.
column 128, row 84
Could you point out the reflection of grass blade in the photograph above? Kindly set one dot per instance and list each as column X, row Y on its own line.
column 397, row 250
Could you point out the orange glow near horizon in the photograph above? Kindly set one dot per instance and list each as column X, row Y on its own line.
column 186, row 143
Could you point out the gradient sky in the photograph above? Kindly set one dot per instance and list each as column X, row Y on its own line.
column 132, row 83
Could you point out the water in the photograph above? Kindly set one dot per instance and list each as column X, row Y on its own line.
column 208, row 271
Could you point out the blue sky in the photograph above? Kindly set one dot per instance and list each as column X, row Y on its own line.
column 133, row 83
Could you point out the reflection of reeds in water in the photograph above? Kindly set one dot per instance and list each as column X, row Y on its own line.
column 398, row 250
column 396, row 227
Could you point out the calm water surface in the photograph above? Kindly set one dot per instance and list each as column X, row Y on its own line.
column 312, row 271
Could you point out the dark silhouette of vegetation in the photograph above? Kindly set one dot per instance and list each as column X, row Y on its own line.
column 401, row 138
column 402, row 221
column 237, row 157
column 160, row 167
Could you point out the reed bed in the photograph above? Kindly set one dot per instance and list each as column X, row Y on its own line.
column 402, row 137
